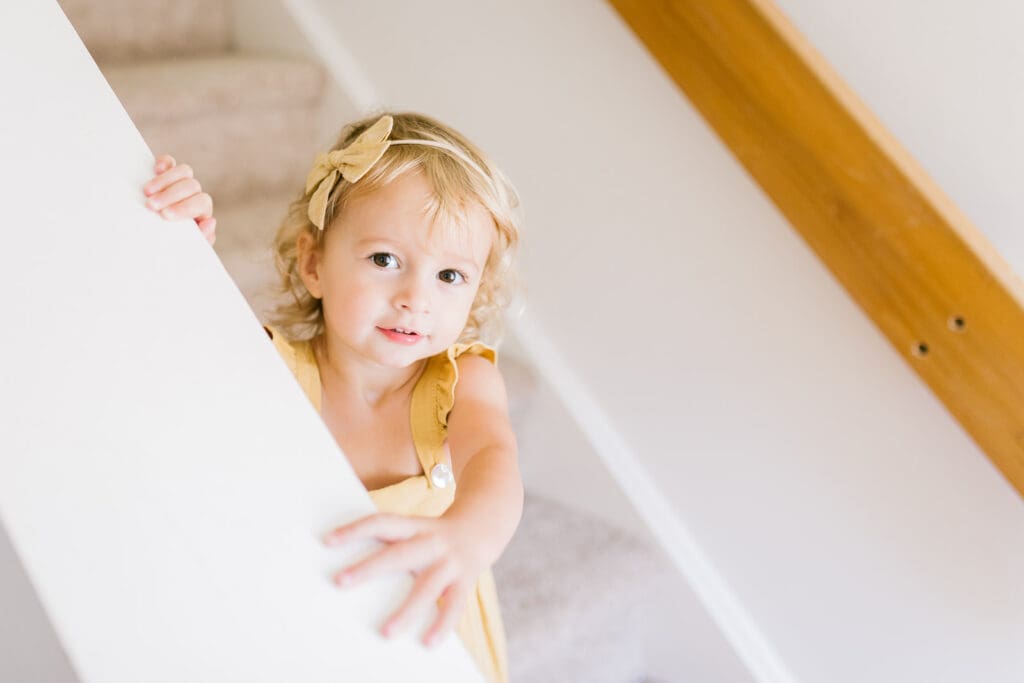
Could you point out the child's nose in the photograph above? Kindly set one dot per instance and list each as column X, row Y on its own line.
column 414, row 296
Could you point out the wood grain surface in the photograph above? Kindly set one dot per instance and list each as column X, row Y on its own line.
column 950, row 305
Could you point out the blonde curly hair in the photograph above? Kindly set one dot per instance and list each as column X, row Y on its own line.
column 455, row 184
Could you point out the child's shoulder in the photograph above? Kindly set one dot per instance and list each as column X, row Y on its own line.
column 461, row 351
column 477, row 373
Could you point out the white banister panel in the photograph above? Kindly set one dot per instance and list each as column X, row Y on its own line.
column 163, row 481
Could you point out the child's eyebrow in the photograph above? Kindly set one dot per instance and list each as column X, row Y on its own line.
column 374, row 239
column 458, row 259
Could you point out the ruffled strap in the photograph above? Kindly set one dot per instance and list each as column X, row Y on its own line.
column 432, row 402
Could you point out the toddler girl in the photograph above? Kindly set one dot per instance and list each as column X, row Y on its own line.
column 396, row 265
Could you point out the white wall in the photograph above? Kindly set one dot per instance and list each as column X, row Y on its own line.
column 837, row 523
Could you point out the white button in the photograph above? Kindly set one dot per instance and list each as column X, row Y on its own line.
column 441, row 475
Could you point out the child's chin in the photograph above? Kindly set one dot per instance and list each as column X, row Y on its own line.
column 403, row 358
column 399, row 363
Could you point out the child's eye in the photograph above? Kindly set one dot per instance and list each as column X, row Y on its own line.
column 452, row 277
column 384, row 260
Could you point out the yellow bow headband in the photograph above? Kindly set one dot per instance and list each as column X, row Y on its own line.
column 352, row 163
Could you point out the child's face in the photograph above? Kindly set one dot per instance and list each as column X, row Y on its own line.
column 396, row 288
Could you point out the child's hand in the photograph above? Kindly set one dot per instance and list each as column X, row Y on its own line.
column 437, row 551
column 174, row 193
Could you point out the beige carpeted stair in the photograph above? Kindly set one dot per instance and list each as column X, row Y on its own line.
column 259, row 113
column 122, row 30
column 573, row 589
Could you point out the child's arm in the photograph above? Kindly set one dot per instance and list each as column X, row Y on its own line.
column 174, row 193
column 489, row 493
column 448, row 554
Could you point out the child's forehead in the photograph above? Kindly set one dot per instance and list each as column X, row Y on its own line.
column 408, row 210
column 411, row 194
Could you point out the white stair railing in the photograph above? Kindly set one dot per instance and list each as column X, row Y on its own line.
column 164, row 484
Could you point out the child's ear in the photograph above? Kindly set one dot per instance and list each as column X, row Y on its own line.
column 308, row 263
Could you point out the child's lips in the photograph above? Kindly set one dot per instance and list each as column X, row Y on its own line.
column 401, row 335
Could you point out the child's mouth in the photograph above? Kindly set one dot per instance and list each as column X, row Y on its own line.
column 401, row 335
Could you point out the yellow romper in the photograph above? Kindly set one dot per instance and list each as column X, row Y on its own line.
column 480, row 627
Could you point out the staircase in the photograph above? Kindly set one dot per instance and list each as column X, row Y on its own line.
column 573, row 589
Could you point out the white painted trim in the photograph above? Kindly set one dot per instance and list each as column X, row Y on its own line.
column 735, row 622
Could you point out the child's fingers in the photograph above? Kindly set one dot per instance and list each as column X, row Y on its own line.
column 452, row 604
column 428, row 586
column 381, row 526
column 414, row 553
column 179, row 196
column 198, row 206
column 208, row 226
column 162, row 163
column 168, row 177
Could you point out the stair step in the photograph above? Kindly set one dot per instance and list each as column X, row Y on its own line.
column 123, row 30
column 174, row 89
column 246, row 123
column 573, row 592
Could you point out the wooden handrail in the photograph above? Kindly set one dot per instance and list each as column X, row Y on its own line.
column 951, row 306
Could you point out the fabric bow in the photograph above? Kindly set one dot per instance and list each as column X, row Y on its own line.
column 350, row 163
